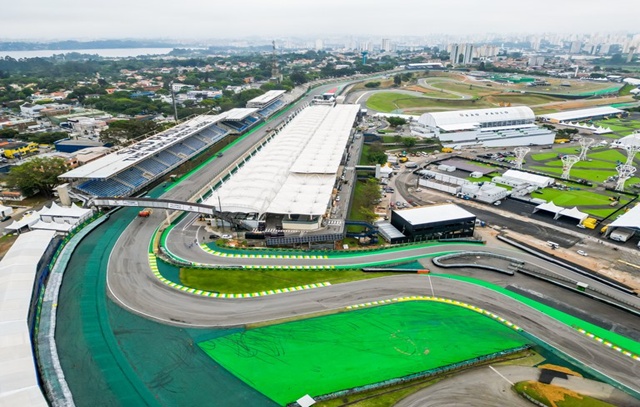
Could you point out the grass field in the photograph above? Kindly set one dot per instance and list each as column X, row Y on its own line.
column 574, row 198
column 327, row 354
column 249, row 281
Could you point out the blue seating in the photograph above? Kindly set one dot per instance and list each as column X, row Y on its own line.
column 195, row 143
column 132, row 176
column 152, row 166
column 181, row 148
column 168, row 158
column 239, row 126
column 107, row 187
column 271, row 109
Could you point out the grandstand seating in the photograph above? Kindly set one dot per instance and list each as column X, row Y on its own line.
column 132, row 176
column 152, row 166
column 239, row 126
column 168, row 158
column 181, row 148
column 108, row 187
column 271, row 109
column 195, row 143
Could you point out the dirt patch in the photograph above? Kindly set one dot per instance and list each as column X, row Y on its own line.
column 560, row 369
column 552, row 393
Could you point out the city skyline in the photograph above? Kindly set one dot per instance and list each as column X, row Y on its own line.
column 72, row 19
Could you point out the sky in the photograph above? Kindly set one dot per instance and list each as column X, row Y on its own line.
column 207, row 19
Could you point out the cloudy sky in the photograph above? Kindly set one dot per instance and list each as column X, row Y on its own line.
column 203, row 19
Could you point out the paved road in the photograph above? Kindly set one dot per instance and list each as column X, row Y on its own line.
column 491, row 386
column 132, row 285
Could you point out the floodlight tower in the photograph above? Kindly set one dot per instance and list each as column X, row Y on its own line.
column 632, row 150
column 585, row 143
column 520, row 152
column 567, row 163
column 624, row 173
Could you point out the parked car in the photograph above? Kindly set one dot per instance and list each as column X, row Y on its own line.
column 582, row 253
column 5, row 218
column 226, row 236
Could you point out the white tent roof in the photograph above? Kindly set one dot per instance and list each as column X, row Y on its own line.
column 582, row 113
column 18, row 379
column 27, row 220
column 528, row 177
column 295, row 172
column 476, row 116
column 631, row 139
column 549, row 207
column 574, row 213
column 55, row 226
column 630, row 219
column 73, row 211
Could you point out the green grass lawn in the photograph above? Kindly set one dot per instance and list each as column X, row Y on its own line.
column 608, row 155
column 544, row 156
column 250, row 281
column 390, row 101
column 590, row 175
column 327, row 354
column 573, row 198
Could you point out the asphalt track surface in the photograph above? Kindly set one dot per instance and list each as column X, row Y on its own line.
column 131, row 284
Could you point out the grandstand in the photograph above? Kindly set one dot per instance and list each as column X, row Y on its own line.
column 239, row 119
column 499, row 127
column 293, row 176
column 267, row 104
column 130, row 169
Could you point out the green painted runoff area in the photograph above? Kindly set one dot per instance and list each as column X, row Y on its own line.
column 615, row 338
column 327, row 354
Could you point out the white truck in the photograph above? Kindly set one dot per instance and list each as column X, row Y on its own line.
column 621, row 234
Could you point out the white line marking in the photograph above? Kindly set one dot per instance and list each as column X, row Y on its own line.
column 500, row 374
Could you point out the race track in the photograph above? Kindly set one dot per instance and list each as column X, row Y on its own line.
column 132, row 285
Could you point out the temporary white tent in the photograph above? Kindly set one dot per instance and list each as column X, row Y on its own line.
column 18, row 378
column 573, row 213
column 549, row 207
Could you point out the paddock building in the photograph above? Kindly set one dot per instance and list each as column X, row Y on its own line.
column 293, row 177
column 498, row 127
column 434, row 222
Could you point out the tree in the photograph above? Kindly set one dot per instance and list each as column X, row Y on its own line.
column 397, row 80
column 409, row 142
column 395, row 121
column 376, row 154
column 121, row 131
column 38, row 174
column 370, row 192
column 372, row 84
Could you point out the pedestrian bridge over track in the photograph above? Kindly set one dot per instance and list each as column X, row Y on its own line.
column 169, row 204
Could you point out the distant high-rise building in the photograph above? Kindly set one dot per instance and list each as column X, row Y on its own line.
column 319, row 45
column 386, row 45
column 468, row 54
column 632, row 50
column 576, row 47
column 454, row 53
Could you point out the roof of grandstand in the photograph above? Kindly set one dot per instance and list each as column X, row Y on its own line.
column 265, row 99
column 582, row 113
column 294, row 173
column 120, row 160
column 237, row 113
column 464, row 119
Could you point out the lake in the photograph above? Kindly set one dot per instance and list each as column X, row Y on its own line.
column 107, row 52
